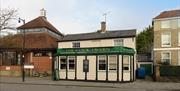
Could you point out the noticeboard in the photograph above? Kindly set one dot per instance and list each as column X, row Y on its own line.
column 86, row 65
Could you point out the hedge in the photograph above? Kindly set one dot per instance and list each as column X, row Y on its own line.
column 166, row 70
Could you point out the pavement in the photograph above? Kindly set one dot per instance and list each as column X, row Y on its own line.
column 138, row 84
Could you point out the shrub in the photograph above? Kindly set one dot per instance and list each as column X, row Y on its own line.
column 166, row 70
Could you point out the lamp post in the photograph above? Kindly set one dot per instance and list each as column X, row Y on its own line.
column 22, row 52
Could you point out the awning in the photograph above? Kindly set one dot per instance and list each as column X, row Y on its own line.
column 95, row 51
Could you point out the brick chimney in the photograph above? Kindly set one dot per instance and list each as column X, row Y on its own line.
column 103, row 27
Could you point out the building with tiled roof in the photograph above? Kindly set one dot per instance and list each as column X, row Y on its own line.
column 39, row 47
column 166, row 49
column 168, row 14
column 97, row 56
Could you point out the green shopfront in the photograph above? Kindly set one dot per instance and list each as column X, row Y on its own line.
column 95, row 64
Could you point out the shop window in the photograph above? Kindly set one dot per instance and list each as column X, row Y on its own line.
column 126, row 61
column 102, row 62
column 118, row 42
column 166, row 39
column 112, row 62
column 71, row 63
column 178, row 57
column 165, row 24
column 166, row 57
column 63, row 63
column 76, row 44
column 179, row 38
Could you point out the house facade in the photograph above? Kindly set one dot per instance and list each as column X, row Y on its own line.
column 98, row 56
column 39, row 47
column 167, row 38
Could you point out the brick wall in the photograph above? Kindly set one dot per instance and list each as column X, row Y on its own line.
column 42, row 64
column 9, row 71
column 12, row 68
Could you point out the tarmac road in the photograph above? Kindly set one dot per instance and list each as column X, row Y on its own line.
column 30, row 87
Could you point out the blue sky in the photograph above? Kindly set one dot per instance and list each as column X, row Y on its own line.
column 79, row 16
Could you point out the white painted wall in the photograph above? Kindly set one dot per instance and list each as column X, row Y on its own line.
column 128, row 42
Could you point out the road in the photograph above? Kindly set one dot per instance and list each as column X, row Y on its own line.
column 29, row 87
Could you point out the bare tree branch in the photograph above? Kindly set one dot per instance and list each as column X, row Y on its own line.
column 6, row 15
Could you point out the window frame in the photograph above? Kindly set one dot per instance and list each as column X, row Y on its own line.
column 179, row 57
column 109, row 63
column 168, row 23
column 178, row 38
column 71, row 57
column 63, row 63
column 126, row 64
column 164, row 58
column 165, row 33
column 105, row 62
column 118, row 40
column 178, row 23
column 75, row 46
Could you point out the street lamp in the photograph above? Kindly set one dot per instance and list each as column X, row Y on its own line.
column 22, row 52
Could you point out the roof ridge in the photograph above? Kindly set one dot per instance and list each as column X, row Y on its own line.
column 103, row 33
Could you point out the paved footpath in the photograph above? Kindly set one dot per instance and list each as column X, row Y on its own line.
column 138, row 84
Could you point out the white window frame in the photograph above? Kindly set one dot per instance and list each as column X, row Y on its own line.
column 62, row 57
column 163, row 58
column 111, row 63
column 178, row 38
column 165, row 33
column 179, row 57
column 75, row 46
column 128, row 61
column 165, row 24
column 178, row 23
column 105, row 62
column 71, row 57
column 118, row 40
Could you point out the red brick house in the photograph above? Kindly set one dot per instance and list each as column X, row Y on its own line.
column 40, row 45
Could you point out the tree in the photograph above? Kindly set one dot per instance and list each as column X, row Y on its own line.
column 6, row 17
column 144, row 40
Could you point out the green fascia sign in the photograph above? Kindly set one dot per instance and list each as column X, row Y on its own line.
column 95, row 51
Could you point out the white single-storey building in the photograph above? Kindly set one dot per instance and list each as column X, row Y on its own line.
column 98, row 56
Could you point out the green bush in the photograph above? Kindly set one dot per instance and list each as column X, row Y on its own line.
column 166, row 70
